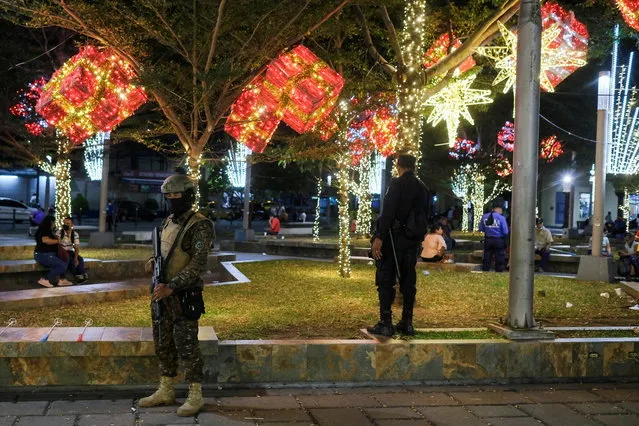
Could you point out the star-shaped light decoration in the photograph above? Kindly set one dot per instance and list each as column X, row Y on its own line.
column 451, row 103
column 552, row 58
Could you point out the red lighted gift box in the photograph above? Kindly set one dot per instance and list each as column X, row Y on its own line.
column 91, row 92
column 441, row 48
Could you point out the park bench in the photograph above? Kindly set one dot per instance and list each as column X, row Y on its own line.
column 457, row 267
column 559, row 262
column 294, row 228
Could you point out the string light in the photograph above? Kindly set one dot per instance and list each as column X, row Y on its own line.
column 61, row 170
column 297, row 88
column 410, row 90
column 236, row 164
column 195, row 174
column 502, row 166
column 344, row 256
column 623, row 136
column 451, row 103
column 630, row 12
column 557, row 62
column 91, row 92
column 463, row 149
column 316, row 220
column 25, row 108
column 441, row 48
column 550, row 148
column 94, row 155
column 362, row 191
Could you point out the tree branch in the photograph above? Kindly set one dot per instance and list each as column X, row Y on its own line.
column 392, row 35
column 184, row 51
column 214, row 35
column 458, row 56
column 386, row 66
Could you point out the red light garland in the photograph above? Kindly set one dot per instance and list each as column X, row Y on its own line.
column 550, row 148
column 297, row 88
column 463, row 148
column 442, row 48
column 26, row 107
column 91, row 92
column 630, row 11
column 506, row 136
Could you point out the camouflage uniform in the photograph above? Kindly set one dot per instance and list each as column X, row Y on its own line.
column 174, row 335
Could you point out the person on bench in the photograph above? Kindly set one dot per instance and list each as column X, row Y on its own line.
column 70, row 241
column 543, row 240
column 274, row 224
column 46, row 254
column 434, row 246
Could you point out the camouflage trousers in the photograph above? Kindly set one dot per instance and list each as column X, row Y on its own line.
column 175, row 338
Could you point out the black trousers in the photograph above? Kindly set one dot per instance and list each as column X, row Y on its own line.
column 385, row 276
column 494, row 247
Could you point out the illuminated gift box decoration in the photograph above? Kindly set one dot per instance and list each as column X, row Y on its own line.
column 571, row 41
column 550, row 148
column 297, row 88
column 91, row 92
column 463, row 148
column 502, row 166
column 630, row 11
column 253, row 117
column 375, row 128
column 442, row 48
column 506, row 136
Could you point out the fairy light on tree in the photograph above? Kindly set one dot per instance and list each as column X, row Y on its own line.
column 61, row 170
column 344, row 256
column 195, row 174
column 364, row 213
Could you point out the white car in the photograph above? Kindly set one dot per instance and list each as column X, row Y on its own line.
column 8, row 205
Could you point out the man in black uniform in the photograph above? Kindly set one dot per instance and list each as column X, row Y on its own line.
column 395, row 253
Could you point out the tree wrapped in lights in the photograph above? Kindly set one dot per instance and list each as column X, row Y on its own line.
column 469, row 185
column 463, row 149
column 61, row 170
column 364, row 216
column 630, row 11
column 343, row 180
column 506, row 136
column 91, row 92
column 550, row 148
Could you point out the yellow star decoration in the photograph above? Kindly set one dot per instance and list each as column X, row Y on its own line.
column 451, row 103
column 505, row 57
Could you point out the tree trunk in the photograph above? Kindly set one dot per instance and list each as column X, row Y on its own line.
column 364, row 214
column 62, row 191
column 194, row 171
column 344, row 257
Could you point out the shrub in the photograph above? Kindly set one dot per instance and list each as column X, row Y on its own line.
column 79, row 205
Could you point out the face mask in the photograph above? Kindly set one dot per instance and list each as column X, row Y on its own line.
column 179, row 206
column 66, row 227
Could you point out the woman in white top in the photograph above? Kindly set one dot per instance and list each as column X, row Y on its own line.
column 606, row 250
column 434, row 246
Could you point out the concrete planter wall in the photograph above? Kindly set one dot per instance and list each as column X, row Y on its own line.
column 124, row 356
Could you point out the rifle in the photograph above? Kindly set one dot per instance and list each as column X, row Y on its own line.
column 158, row 272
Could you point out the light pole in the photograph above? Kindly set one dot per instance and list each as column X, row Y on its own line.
column 595, row 267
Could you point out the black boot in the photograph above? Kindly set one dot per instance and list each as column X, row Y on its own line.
column 385, row 325
column 405, row 325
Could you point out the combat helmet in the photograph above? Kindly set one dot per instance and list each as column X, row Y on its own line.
column 177, row 183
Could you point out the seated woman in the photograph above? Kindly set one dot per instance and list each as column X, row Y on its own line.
column 434, row 246
column 46, row 254
column 605, row 245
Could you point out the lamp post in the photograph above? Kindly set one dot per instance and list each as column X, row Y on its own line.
column 596, row 267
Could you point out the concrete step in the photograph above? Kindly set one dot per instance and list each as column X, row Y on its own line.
column 458, row 267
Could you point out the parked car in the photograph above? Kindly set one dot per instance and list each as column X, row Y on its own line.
column 126, row 210
column 8, row 205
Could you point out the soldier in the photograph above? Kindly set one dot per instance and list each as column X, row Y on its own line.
column 185, row 243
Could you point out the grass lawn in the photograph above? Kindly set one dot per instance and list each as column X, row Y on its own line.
column 306, row 299
column 90, row 253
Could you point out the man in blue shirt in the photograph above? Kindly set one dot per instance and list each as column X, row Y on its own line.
column 495, row 230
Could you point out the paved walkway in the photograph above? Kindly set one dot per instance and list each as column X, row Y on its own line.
column 522, row 405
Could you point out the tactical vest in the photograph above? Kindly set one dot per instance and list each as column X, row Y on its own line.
column 179, row 259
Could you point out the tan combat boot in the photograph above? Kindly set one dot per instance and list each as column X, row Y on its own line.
column 165, row 394
column 194, row 402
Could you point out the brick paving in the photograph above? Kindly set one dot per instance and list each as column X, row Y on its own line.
column 508, row 405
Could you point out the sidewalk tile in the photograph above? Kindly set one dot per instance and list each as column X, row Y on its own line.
column 148, row 419
column 618, row 394
column 100, row 406
column 306, row 391
column 557, row 415
column 7, row 420
column 598, row 408
column 263, row 402
column 164, row 408
column 490, row 398
column 496, row 411
column 296, row 415
column 338, row 401
column 107, row 419
column 412, row 399
column 395, row 422
column 27, row 408
column 450, row 416
column 631, row 406
column 371, row 389
column 512, row 421
column 618, row 420
column 47, row 421
column 223, row 419
column 339, row 416
column 553, row 396
column 392, row 413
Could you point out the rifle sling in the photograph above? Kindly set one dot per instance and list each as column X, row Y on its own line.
column 175, row 242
